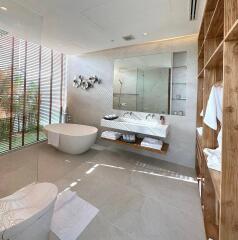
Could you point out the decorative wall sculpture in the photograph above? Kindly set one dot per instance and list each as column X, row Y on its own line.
column 85, row 83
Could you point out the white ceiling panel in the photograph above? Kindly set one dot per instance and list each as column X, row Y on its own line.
column 80, row 26
column 130, row 17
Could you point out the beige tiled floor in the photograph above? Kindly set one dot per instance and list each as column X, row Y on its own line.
column 138, row 198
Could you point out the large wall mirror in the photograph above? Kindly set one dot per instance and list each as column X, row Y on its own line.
column 153, row 83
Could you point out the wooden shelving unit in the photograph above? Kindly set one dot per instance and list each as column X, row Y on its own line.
column 216, row 181
column 137, row 145
column 218, row 61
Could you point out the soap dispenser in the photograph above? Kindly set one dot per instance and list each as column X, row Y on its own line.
column 162, row 120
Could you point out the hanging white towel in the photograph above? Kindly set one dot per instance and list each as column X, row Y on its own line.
column 201, row 113
column 214, row 111
column 219, row 139
column 214, row 107
column 200, row 130
column 71, row 216
column 213, row 158
column 53, row 138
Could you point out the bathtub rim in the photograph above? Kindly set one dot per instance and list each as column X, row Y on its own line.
column 71, row 135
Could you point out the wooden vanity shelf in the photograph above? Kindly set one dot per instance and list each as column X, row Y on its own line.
column 218, row 61
column 137, row 145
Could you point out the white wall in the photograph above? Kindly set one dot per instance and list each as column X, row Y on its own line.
column 88, row 107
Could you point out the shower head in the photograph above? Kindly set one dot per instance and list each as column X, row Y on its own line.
column 120, row 81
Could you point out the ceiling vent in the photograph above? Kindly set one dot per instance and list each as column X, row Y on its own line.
column 193, row 9
column 128, row 37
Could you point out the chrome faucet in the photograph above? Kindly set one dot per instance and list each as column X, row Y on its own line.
column 126, row 113
column 150, row 115
column 147, row 116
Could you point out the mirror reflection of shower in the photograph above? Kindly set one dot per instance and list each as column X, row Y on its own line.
column 154, row 83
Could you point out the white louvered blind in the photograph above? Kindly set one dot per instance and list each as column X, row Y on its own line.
column 32, row 80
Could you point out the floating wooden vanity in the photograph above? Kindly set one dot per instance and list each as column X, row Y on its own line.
column 137, row 145
column 218, row 60
column 145, row 128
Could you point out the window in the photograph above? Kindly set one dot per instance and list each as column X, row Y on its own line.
column 32, row 83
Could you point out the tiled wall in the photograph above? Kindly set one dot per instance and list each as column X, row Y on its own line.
column 88, row 107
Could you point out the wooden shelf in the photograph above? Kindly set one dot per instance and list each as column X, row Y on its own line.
column 200, row 156
column 179, row 99
column 210, row 5
column 137, row 145
column 218, row 60
column 217, row 57
column 183, row 66
column 215, row 60
column 201, row 74
column 201, row 30
column 175, row 83
column 216, row 180
column 201, row 51
column 233, row 33
column 216, row 25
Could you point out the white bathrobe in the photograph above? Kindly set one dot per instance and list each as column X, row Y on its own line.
column 214, row 113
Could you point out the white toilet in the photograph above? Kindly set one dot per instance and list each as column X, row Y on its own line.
column 27, row 214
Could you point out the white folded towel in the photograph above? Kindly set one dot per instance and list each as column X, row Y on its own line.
column 213, row 158
column 152, row 143
column 111, row 135
column 53, row 138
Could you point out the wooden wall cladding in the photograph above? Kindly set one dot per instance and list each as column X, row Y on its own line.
column 229, row 186
column 218, row 61
column 231, row 14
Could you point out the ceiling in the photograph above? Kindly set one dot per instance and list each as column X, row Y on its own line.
column 81, row 26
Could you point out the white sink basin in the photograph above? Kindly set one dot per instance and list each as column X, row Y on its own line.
column 152, row 128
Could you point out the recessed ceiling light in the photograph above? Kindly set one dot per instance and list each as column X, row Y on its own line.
column 3, row 8
column 145, row 33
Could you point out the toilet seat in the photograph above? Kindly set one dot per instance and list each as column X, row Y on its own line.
column 25, row 207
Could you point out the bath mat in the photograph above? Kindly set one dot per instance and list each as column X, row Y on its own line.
column 71, row 216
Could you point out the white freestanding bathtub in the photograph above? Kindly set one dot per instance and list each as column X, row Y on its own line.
column 73, row 138
column 27, row 214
